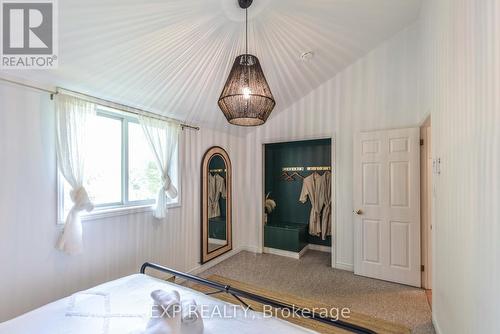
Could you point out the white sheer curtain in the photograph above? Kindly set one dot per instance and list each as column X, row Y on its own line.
column 163, row 138
column 72, row 123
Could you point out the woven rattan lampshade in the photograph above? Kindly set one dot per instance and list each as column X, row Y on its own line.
column 246, row 99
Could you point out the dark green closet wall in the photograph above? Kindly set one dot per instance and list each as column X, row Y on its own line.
column 217, row 225
column 286, row 194
column 218, row 163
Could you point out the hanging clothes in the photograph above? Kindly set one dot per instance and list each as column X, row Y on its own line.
column 326, row 214
column 313, row 188
column 216, row 189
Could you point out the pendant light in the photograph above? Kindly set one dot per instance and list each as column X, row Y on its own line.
column 246, row 98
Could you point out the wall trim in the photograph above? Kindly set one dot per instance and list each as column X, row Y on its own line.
column 319, row 248
column 435, row 323
column 295, row 255
column 427, row 119
column 282, row 140
column 327, row 135
column 208, row 265
column 280, row 252
column 344, row 266
column 251, row 249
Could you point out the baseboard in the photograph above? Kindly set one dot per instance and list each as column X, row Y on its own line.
column 223, row 257
column 251, row 249
column 295, row 255
column 344, row 266
column 303, row 251
column 320, row 248
column 436, row 326
column 201, row 268
column 208, row 265
column 280, row 252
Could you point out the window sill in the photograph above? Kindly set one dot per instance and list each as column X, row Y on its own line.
column 120, row 211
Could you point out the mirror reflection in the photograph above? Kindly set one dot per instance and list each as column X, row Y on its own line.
column 217, row 208
column 216, row 180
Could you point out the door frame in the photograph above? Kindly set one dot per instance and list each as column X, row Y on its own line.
column 427, row 246
column 278, row 140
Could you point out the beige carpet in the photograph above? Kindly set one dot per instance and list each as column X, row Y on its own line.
column 377, row 325
column 312, row 277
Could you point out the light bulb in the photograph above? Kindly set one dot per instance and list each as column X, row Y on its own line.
column 246, row 93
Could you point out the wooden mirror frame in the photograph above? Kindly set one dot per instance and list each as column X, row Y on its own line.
column 205, row 254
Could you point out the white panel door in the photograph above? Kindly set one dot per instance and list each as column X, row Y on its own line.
column 387, row 205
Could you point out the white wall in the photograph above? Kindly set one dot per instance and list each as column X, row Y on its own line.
column 379, row 91
column 32, row 271
column 461, row 58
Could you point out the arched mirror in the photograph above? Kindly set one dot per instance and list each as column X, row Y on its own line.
column 216, row 204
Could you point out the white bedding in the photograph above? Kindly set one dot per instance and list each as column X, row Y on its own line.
column 122, row 307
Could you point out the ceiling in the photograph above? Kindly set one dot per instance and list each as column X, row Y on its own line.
column 173, row 56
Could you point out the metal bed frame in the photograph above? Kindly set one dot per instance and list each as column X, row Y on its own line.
column 239, row 294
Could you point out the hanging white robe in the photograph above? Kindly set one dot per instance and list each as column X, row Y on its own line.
column 216, row 189
column 326, row 214
column 313, row 188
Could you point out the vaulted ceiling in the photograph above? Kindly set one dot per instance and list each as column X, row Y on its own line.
column 173, row 56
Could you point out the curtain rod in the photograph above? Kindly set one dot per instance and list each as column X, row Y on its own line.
column 107, row 103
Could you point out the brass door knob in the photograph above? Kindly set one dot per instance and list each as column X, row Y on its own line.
column 358, row 212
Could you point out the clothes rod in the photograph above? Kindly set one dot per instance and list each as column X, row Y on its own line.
column 107, row 103
column 309, row 169
column 218, row 170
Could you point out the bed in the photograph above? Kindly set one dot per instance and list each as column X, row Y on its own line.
column 123, row 306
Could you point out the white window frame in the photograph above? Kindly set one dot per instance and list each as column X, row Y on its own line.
column 124, row 207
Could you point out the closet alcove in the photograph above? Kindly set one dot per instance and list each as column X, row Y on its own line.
column 287, row 166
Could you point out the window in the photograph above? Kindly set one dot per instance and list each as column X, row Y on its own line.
column 121, row 172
